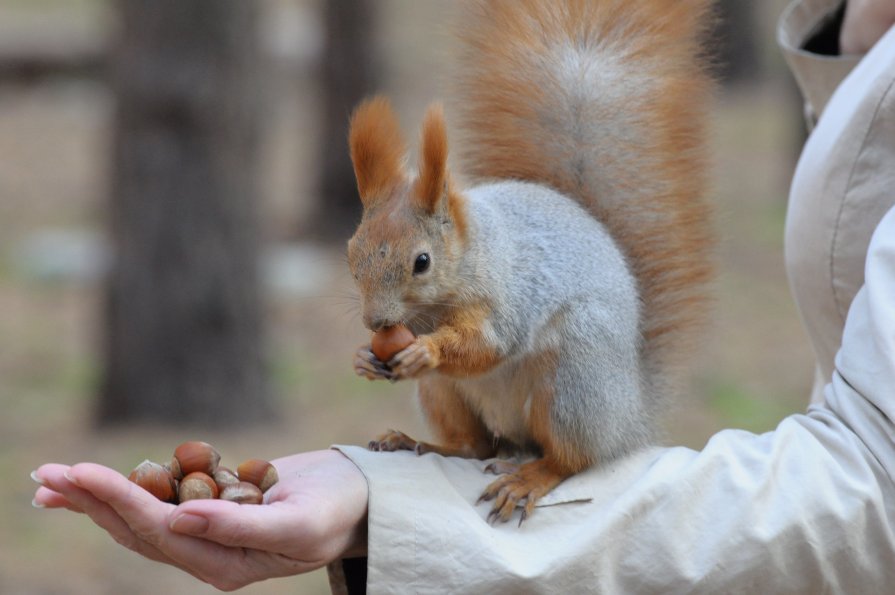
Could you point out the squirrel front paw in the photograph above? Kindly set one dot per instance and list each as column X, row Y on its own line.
column 368, row 365
column 414, row 360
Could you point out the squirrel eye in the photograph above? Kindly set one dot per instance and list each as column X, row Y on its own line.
column 421, row 264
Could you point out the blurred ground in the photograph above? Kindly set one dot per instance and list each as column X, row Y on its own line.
column 755, row 367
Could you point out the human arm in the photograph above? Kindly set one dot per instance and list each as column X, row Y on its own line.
column 315, row 514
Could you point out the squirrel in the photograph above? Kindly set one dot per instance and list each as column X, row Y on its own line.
column 556, row 295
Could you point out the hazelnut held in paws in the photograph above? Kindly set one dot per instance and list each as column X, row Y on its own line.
column 389, row 341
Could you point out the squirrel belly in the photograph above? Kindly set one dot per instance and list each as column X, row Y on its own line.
column 564, row 315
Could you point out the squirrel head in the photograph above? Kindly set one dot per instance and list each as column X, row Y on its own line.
column 406, row 251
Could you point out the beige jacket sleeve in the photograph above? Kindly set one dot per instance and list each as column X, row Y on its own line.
column 844, row 181
column 817, row 75
column 807, row 508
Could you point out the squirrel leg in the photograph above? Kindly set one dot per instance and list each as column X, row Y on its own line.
column 529, row 482
column 459, row 430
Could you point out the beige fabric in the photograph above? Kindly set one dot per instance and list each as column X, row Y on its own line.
column 817, row 76
column 844, row 184
column 807, row 508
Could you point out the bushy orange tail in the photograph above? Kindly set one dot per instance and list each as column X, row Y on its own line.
column 606, row 101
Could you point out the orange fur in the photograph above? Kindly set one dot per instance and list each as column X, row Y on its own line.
column 459, row 430
column 660, row 221
column 377, row 150
column 457, row 208
column 460, row 347
column 433, row 184
column 432, row 181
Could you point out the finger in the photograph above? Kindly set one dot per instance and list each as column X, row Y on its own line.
column 266, row 534
column 58, row 479
column 47, row 498
column 269, row 527
column 295, row 521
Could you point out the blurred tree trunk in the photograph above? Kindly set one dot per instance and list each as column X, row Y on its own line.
column 183, row 335
column 348, row 75
column 735, row 44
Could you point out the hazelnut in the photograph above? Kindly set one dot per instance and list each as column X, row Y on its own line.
column 174, row 468
column 197, row 486
column 242, row 492
column 224, row 477
column 155, row 479
column 197, row 456
column 258, row 472
column 389, row 341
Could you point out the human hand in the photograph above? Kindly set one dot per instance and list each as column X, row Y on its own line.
column 315, row 514
column 866, row 21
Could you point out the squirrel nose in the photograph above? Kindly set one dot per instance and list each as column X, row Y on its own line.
column 377, row 324
column 378, row 316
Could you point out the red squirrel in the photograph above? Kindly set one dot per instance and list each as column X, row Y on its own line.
column 555, row 294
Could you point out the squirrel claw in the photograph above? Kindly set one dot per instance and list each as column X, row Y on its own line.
column 493, row 516
column 527, row 510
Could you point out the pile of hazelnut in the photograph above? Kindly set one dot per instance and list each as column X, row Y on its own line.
column 194, row 473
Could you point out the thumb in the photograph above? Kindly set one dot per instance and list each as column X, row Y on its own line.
column 277, row 527
column 292, row 538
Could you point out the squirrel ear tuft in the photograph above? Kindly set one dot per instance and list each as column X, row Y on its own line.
column 377, row 149
column 431, row 186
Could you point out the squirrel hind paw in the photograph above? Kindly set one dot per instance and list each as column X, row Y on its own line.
column 501, row 467
column 520, row 488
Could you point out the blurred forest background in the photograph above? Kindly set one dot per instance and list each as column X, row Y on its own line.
column 174, row 201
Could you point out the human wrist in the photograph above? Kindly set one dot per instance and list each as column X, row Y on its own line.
column 357, row 491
